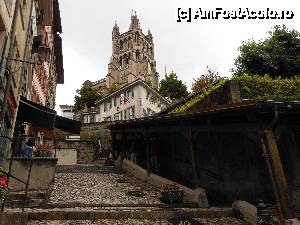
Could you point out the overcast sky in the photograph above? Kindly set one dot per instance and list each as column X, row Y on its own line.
column 185, row 48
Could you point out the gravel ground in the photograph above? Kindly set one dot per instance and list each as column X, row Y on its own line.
column 95, row 188
column 206, row 221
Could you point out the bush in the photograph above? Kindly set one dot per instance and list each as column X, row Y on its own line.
column 266, row 88
column 199, row 97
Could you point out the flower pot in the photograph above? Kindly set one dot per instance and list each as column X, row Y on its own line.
column 172, row 196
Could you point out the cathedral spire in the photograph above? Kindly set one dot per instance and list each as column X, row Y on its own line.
column 149, row 36
column 115, row 31
column 135, row 23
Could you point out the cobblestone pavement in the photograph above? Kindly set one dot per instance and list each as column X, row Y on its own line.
column 96, row 185
column 204, row 221
column 96, row 188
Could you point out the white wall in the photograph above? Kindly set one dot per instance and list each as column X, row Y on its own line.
column 68, row 115
column 143, row 106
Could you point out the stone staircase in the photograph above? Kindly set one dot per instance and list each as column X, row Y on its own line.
column 33, row 199
column 40, row 212
column 113, row 214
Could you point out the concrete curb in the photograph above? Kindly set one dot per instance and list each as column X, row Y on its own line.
column 197, row 196
column 135, row 170
column 245, row 211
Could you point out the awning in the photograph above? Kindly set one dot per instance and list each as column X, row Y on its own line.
column 44, row 117
column 68, row 125
column 36, row 114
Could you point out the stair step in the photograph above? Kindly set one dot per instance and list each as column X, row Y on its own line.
column 120, row 213
column 86, row 168
column 30, row 195
column 28, row 203
column 145, row 221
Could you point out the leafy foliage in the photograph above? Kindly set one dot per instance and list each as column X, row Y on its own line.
column 172, row 87
column 113, row 88
column 149, row 83
column 279, row 54
column 206, row 79
column 87, row 96
column 199, row 97
column 266, row 88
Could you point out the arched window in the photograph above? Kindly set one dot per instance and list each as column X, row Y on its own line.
column 125, row 57
column 125, row 43
column 137, row 55
column 121, row 44
column 137, row 37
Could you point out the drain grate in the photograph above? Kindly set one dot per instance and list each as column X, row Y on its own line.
column 184, row 220
column 136, row 193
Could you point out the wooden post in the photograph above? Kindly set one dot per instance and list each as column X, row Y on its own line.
column 146, row 135
column 113, row 144
column 187, row 133
column 279, row 175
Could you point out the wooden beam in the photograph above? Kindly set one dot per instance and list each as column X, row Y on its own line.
column 187, row 133
column 228, row 128
column 279, row 176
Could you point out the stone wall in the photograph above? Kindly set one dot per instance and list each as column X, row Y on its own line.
column 42, row 173
column 88, row 133
column 67, row 156
column 86, row 152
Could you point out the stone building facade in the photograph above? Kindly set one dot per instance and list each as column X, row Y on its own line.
column 132, row 56
column 31, row 59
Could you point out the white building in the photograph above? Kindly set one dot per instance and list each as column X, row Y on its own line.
column 134, row 100
column 67, row 111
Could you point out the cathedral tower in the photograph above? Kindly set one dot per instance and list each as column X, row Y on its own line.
column 132, row 56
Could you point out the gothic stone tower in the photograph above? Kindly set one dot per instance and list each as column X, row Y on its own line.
column 132, row 57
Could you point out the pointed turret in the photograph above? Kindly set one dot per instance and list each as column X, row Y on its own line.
column 115, row 32
column 135, row 23
column 149, row 36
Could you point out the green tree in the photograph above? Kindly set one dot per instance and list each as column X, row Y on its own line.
column 87, row 96
column 113, row 88
column 277, row 55
column 210, row 77
column 172, row 87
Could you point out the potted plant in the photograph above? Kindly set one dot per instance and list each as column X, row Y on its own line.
column 3, row 187
column 171, row 193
